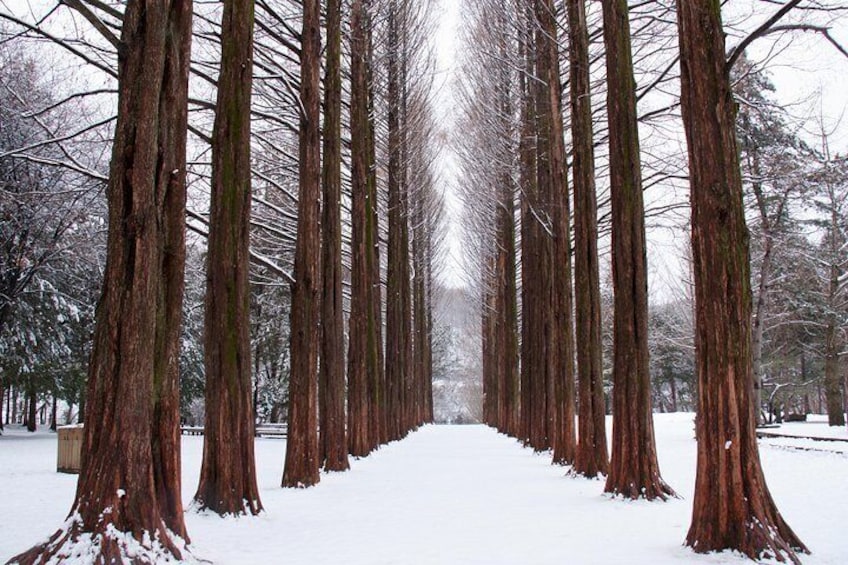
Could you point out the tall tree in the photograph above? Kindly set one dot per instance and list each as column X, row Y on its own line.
column 362, row 332
column 732, row 507
column 552, row 170
column 831, row 180
column 591, row 457
column 128, row 491
column 398, row 331
column 634, row 471
column 302, row 457
column 228, row 474
column 529, row 224
column 331, row 390
column 772, row 160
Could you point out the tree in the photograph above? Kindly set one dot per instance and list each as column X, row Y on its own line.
column 363, row 343
column 772, row 161
column 634, row 471
column 831, row 180
column 302, row 457
column 133, row 374
column 732, row 506
column 591, row 457
column 331, row 390
column 552, row 175
column 398, row 321
column 228, row 474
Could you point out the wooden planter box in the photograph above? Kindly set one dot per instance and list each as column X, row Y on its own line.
column 70, row 449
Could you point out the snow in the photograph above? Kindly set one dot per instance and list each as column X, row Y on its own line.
column 448, row 495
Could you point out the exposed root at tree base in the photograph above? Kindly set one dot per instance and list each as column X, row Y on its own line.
column 756, row 540
column 107, row 545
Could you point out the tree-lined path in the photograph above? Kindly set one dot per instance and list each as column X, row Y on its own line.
column 448, row 494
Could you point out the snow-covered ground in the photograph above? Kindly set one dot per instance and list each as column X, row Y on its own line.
column 448, row 495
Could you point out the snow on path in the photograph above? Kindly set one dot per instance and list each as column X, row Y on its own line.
column 447, row 495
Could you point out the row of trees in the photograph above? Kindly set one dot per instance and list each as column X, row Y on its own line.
column 519, row 228
column 353, row 202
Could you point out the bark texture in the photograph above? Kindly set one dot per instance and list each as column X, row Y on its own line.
column 129, row 481
column 398, row 331
column 559, row 348
column 302, row 458
column 228, row 474
column 732, row 507
column 591, row 458
column 634, row 471
column 527, row 183
column 362, row 333
column 331, row 390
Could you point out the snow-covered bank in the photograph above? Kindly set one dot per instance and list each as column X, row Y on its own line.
column 446, row 495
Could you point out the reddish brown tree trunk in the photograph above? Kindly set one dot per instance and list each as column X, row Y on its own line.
column 331, row 391
column 560, row 338
column 591, row 457
column 130, row 461
column 508, row 311
column 361, row 336
column 732, row 507
column 302, row 457
column 634, row 471
column 228, row 474
column 397, row 334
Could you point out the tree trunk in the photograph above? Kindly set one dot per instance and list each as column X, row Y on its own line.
column 302, row 459
column 527, row 182
column 360, row 340
column 333, row 439
column 591, row 458
column 832, row 375
column 228, row 474
column 732, row 507
column 31, row 407
column 130, row 461
column 634, row 471
column 378, row 433
column 560, row 343
column 396, row 333
column 53, row 412
column 542, row 298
